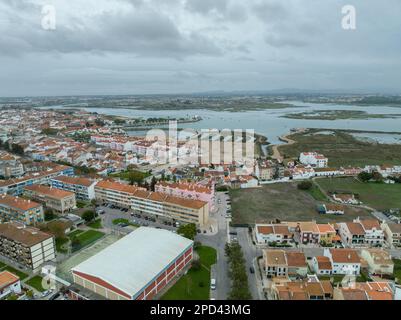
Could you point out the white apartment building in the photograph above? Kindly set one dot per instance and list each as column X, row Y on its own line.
column 83, row 188
column 313, row 159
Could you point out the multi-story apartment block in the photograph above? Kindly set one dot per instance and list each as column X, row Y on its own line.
column 153, row 203
column 115, row 193
column 27, row 246
column 83, row 188
column 16, row 186
column 22, row 210
column 60, row 200
column 188, row 191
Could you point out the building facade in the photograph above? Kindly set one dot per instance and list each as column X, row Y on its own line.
column 27, row 246
column 56, row 199
column 83, row 188
column 137, row 267
column 22, row 210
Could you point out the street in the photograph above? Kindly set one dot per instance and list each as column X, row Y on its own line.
column 218, row 241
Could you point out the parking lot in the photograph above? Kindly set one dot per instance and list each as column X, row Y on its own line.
column 109, row 214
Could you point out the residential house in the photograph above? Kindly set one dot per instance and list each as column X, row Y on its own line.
column 379, row 261
column 352, row 233
column 280, row 263
column 327, row 233
column 344, row 261
column 9, row 284
column 345, row 198
column 296, row 263
column 308, row 232
column 322, row 265
column 374, row 235
column 273, row 233
column 392, row 233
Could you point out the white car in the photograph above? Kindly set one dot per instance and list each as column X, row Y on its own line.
column 213, row 284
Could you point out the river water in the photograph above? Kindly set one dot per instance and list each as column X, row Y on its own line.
column 269, row 122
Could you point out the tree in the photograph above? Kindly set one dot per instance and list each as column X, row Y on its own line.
column 89, row 215
column 135, row 177
column 153, row 184
column 49, row 215
column 188, row 231
column 305, row 185
column 365, row 176
column 377, row 176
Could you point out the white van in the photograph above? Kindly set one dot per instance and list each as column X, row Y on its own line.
column 213, row 284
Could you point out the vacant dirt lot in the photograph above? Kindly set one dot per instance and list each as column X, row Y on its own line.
column 281, row 201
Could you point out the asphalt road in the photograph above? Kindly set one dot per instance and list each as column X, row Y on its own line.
column 218, row 241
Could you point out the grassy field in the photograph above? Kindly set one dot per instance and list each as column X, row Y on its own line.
column 86, row 238
column 36, row 282
column 282, row 201
column 125, row 221
column 60, row 242
column 195, row 285
column 20, row 274
column 380, row 196
column 342, row 149
column 96, row 224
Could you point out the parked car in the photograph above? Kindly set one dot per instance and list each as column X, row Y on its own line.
column 251, row 270
column 213, row 284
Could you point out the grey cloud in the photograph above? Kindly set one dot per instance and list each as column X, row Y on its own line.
column 137, row 31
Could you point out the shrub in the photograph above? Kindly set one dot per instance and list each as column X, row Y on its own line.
column 305, row 185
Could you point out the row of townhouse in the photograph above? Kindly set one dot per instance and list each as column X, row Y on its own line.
column 293, row 264
column 16, row 186
column 153, row 203
column 358, row 233
column 26, row 246
column 361, row 232
column 314, row 288
column 288, row 232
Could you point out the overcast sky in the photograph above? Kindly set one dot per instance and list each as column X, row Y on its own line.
column 182, row 46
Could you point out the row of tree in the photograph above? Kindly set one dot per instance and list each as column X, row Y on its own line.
column 237, row 273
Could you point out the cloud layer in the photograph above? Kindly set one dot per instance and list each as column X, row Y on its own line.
column 151, row 46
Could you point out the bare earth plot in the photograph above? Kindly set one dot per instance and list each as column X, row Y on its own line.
column 281, row 201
